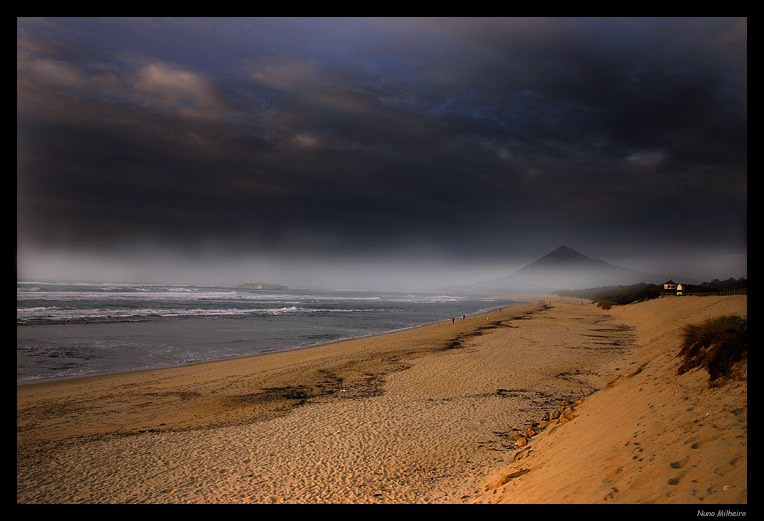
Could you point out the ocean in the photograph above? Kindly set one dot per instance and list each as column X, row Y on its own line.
column 67, row 330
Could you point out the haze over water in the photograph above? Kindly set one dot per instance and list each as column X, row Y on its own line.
column 378, row 153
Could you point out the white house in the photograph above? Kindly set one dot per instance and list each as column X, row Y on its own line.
column 670, row 285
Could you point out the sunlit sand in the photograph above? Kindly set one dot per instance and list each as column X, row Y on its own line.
column 436, row 414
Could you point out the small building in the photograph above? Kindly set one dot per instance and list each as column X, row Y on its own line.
column 669, row 285
column 680, row 289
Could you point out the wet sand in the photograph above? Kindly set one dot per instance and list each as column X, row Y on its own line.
column 427, row 415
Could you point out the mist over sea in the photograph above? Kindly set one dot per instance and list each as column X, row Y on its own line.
column 66, row 330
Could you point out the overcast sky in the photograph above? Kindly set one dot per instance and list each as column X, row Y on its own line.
column 371, row 152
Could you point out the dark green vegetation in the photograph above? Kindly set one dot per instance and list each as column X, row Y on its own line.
column 608, row 296
column 718, row 286
column 715, row 344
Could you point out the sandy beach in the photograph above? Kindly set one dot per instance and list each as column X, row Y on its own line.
column 436, row 414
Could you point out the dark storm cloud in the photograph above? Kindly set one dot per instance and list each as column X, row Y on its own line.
column 467, row 136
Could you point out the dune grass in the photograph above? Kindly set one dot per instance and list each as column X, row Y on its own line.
column 716, row 345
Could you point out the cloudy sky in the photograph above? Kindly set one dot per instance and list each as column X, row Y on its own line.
column 377, row 152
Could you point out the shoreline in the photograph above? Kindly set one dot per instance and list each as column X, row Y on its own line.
column 281, row 370
column 425, row 415
column 53, row 379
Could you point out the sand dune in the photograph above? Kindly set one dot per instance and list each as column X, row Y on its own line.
column 651, row 436
column 429, row 415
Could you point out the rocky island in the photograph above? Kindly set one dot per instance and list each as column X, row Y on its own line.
column 262, row 285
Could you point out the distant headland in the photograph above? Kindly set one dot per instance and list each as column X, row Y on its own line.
column 261, row 285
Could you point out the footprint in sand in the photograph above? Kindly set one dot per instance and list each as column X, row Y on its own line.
column 680, row 463
column 693, row 442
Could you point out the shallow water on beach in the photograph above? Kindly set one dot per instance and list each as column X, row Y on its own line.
column 66, row 330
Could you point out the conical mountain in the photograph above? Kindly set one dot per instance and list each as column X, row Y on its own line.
column 561, row 258
column 565, row 268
